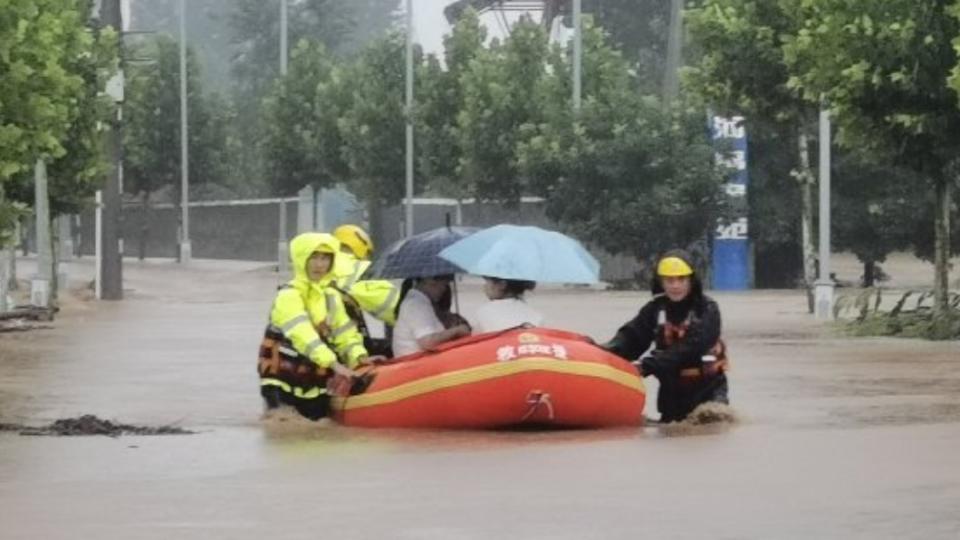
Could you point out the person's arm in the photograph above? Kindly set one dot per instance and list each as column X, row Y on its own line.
column 634, row 337
column 289, row 315
column 430, row 341
column 701, row 336
column 344, row 335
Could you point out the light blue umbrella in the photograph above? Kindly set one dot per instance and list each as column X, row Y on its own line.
column 524, row 253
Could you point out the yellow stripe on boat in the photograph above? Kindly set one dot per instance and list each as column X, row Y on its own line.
column 485, row 372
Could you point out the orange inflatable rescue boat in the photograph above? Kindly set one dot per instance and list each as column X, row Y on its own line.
column 519, row 377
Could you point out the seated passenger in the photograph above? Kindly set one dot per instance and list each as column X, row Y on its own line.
column 506, row 308
column 421, row 318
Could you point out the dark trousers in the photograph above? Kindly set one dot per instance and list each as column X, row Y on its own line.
column 313, row 409
column 678, row 398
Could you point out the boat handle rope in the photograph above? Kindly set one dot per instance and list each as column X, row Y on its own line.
column 535, row 399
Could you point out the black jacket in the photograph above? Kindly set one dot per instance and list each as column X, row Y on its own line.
column 635, row 337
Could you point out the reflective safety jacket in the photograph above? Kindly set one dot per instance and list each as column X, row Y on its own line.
column 309, row 328
column 377, row 297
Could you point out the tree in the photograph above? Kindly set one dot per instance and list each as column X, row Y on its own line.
column 500, row 100
column 639, row 30
column 631, row 175
column 43, row 45
column 343, row 28
column 302, row 144
column 440, row 100
column 373, row 127
column 741, row 70
column 873, row 210
column 881, row 65
column 152, row 126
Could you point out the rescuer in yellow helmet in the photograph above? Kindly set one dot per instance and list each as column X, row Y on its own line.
column 683, row 326
column 376, row 297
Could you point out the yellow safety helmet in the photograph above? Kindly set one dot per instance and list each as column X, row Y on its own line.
column 356, row 239
column 673, row 267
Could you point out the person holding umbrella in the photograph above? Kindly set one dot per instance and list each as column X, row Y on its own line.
column 683, row 325
column 512, row 259
column 423, row 315
column 506, row 307
column 420, row 325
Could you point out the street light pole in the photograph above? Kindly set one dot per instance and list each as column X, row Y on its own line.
column 671, row 76
column 408, row 229
column 283, row 37
column 824, row 285
column 184, row 155
column 577, row 52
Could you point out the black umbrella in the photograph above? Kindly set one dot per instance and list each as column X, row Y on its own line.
column 416, row 257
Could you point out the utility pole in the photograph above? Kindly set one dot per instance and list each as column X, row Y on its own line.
column 185, row 254
column 284, row 40
column 408, row 229
column 671, row 76
column 40, row 286
column 824, row 285
column 577, row 52
column 110, row 267
column 283, row 251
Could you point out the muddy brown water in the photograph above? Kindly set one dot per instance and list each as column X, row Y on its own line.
column 834, row 437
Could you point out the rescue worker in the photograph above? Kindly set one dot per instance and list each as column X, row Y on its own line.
column 683, row 325
column 309, row 336
column 378, row 297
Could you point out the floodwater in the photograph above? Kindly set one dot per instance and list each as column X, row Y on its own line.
column 835, row 437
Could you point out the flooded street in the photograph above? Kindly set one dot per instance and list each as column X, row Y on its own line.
column 836, row 437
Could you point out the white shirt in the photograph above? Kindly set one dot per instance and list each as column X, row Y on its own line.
column 505, row 313
column 416, row 320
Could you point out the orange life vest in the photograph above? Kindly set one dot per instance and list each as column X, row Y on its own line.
column 714, row 363
column 279, row 360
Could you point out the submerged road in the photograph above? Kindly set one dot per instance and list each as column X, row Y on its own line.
column 836, row 437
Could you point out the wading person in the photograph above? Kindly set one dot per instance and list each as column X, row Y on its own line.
column 310, row 336
column 683, row 326
column 375, row 297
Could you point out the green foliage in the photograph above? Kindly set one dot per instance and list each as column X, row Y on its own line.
column 254, row 27
column 639, row 29
column 502, row 98
column 631, row 175
column 152, row 122
column 54, row 66
column 439, row 100
column 302, row 143
column 912, row 315
column 39, row 89
column 881, row 65
column 742, row 69
column 374, row 126
column 875, row 209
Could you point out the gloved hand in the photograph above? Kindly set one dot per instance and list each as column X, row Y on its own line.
column 649, row 364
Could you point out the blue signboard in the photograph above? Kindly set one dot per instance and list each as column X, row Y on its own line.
column 731, row 247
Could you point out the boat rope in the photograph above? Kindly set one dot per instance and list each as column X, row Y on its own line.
column 535, row 399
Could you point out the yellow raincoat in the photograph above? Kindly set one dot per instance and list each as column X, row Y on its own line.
column 378, row 297
column 309, row 327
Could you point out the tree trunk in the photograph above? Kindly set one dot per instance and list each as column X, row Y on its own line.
column 4, row 279
column 806, row 179
column 942, row 245
column 12, row 284
column 55, row 263
column 869, row 273
column 144, row 225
